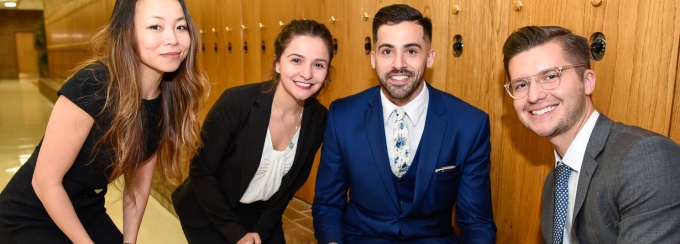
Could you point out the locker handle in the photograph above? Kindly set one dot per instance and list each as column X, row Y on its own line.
column 281, row 23
column 335, row 46
column 365, row 17
column 243, row 27
column 598, row 47
column 596, row 3
column 227, row 29
column 213, row 30
column 333, row 20
column 367, row 45
column 458, row 46
column 261, row 26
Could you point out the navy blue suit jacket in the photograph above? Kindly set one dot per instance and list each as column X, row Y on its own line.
column 354, row 159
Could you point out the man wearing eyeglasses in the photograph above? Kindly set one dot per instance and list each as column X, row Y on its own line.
column 612, row 183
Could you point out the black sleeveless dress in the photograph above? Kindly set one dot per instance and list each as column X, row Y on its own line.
column 23, row 218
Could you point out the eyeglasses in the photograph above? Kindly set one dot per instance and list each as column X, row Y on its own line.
column 548, row 79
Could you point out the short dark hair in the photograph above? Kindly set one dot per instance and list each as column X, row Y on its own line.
column 575, row 48
column 397, row 13
column 297, row 28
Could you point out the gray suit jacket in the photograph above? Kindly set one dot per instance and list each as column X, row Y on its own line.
column 628, row 189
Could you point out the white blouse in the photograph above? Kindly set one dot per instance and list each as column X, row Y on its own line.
column 273, row 166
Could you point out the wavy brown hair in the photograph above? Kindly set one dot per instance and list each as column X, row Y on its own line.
column 182, row 92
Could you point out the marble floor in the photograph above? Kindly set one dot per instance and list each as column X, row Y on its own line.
column 24, row 113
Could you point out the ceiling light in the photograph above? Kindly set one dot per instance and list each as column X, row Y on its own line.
column 11, row 4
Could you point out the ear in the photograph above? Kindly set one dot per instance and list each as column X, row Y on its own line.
column 277, row 67
column 430, row 58
column 373, row 59
column 589, row 78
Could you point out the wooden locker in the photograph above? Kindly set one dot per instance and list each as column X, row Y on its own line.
column 251, row 42
column 230, row 45
column 637, row 74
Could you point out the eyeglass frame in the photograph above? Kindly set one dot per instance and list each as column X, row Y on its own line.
column 559, row 70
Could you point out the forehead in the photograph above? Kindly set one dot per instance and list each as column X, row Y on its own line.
column 536, row 59
column 314, row 47
column 167, row 9
column 405, row 32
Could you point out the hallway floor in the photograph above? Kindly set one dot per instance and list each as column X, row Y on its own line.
column 24, row 113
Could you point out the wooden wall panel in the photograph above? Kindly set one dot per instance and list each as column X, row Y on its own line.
column 636, row 77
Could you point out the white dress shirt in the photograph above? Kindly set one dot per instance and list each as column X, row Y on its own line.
column 273, row 166
column 416, row 112
column 574, row 159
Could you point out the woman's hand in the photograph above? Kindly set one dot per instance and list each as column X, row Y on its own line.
column 250, row 238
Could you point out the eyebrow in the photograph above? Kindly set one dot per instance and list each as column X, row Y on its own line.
column 407, row 45
column 161, row 18
column 298, row 55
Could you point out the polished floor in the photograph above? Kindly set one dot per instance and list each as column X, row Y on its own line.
column 24, row 113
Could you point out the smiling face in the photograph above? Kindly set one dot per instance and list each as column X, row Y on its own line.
column 303, row 66
column 162, row 36
column 558, row 113
column 400, row 60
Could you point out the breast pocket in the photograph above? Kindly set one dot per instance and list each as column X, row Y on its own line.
column 446, row 172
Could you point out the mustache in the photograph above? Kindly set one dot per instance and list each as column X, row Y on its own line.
column 400, row 71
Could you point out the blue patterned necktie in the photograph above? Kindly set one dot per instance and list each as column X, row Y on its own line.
column 401, row 146
column 562, row 173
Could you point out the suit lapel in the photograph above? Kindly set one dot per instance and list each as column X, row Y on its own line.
column 430, row 144
column 596, row 143
column 375, row 133
column 258, row 123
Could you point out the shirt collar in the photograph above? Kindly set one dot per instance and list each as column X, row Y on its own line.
column 414, row 109
column 577, row 150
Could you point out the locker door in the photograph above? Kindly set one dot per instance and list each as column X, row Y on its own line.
column 230, row 45
column 637, row 74
column 476, row 75
column 525, row 157
column 209, row 47
column 251, row 42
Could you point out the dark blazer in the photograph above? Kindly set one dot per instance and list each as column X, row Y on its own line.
column 354, row 158
column 233, row 138
column 627, row 189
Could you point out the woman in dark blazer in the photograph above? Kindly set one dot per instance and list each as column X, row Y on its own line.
column 259, row 143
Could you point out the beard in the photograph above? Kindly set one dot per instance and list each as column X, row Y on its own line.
column 401, row 91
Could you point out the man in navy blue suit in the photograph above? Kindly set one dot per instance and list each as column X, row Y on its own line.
column 404, row 153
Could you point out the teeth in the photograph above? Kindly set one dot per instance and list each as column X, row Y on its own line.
column 400, row 77
column 543, row 111
column 303, row 84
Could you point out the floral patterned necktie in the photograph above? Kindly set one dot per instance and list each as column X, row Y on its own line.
column 401, row 145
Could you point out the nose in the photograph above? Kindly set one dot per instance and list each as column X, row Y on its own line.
column 399, row 61
column 536, row 92
column 306, row 72
column 171, row 37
